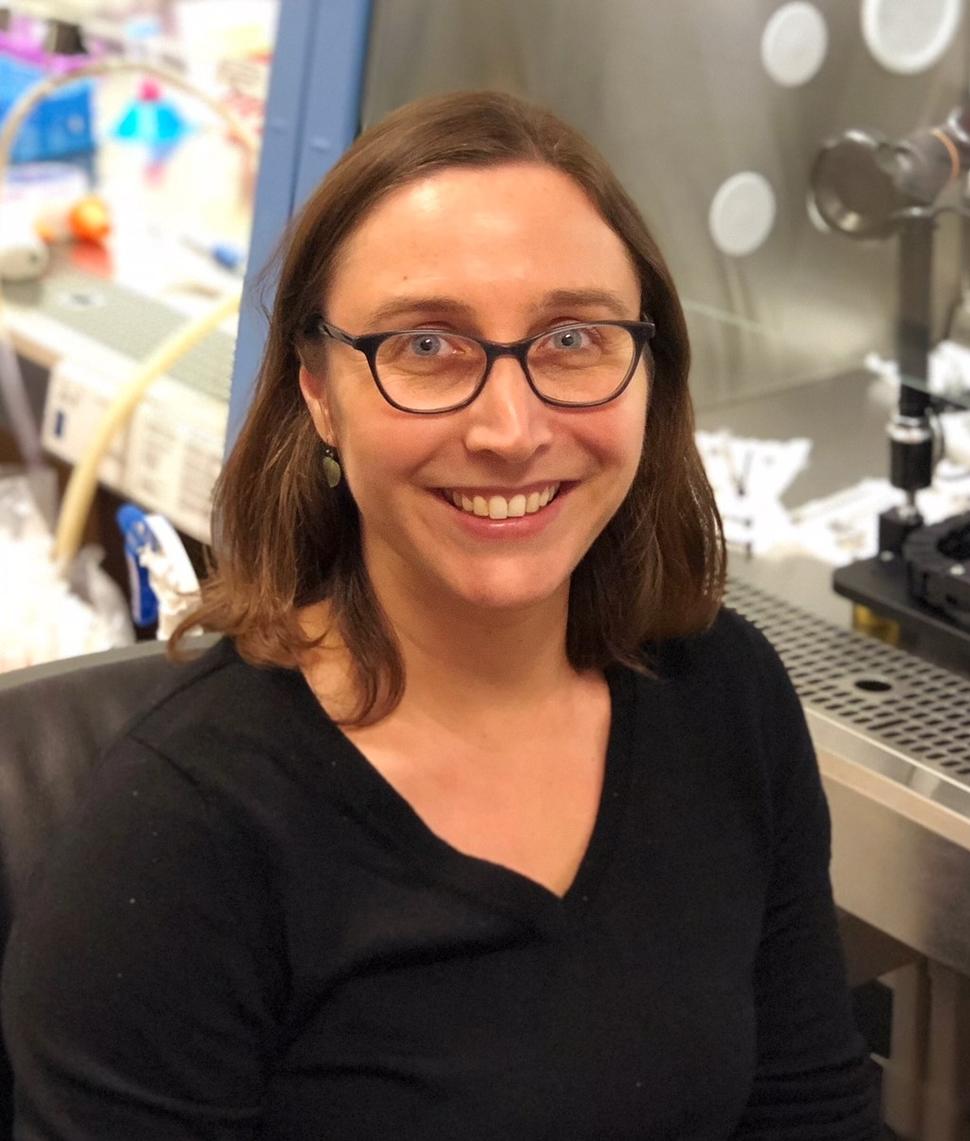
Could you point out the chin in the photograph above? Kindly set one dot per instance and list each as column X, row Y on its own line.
column 507, row 602
column 508, row 593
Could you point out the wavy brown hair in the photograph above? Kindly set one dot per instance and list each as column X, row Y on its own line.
column 284, row 539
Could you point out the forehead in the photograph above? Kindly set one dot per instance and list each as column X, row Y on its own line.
column 491, row 238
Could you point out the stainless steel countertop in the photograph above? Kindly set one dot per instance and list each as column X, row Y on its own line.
column 901, row 825
column 900, row 858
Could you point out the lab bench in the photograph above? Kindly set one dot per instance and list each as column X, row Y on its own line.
column 892, row 733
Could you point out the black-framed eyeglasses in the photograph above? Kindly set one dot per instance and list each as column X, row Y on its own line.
column 580, row 365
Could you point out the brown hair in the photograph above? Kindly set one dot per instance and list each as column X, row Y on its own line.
column 284, row 539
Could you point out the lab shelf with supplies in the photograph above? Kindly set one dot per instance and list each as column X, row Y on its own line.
column 91, row 332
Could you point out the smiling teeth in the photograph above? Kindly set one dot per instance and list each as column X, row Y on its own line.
column 498, row 507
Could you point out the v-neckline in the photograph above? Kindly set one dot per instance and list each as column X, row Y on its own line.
column 382, row 808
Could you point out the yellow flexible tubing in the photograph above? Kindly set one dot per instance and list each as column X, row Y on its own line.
column 82, row 485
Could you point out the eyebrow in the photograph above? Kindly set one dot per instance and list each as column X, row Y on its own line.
column 450, row 306
column 605, row 298
column 400, row 305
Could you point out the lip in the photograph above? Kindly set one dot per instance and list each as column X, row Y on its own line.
column 522, row 526
column 487, row 490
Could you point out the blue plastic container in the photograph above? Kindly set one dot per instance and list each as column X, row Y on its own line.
column 60, row 126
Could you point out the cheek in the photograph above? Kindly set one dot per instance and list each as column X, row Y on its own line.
column 621, row 437
column 381, row 454
column 638, row 422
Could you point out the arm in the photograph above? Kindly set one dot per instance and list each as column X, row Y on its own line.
column 140, row 985
column 814, row 1080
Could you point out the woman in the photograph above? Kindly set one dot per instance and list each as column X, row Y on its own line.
column 484, row 821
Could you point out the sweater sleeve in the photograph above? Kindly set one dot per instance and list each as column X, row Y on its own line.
column 139, row 985
column 814, row 1080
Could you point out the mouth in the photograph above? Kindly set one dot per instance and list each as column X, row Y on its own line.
column 495, row 506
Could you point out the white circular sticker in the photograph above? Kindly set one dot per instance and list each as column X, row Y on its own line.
column 742, row 213
column 908, row 36
column 794, row 44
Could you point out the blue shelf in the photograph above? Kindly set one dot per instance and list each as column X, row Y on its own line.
column 312, row 116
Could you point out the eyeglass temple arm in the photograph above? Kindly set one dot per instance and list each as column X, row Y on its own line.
column 336, row 334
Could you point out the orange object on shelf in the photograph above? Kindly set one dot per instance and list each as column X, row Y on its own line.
column 89, row 219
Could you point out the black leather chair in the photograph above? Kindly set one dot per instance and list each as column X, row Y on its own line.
column 55, row 721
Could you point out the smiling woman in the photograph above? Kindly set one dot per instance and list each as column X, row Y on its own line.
column 517, row 253
column 438, row 209
column 484, row 819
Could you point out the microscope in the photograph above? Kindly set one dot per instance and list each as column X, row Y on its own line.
column 867, row 187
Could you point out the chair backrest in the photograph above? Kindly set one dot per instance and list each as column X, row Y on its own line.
column 55, row 721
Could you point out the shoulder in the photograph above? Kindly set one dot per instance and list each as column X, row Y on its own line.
column 731, row 647
column 251, row 742
column 729, row 682
column 218, row 702
column 218, row 687
column 232, row 775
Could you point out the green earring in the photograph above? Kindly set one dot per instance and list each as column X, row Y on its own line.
column 332, row 470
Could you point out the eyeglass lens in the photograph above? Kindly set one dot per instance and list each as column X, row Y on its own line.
column 578, row 364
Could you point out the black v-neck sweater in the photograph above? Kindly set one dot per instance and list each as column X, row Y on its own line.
column 247, row 933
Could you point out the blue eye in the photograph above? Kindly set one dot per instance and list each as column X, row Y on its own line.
column 565, row 340
column 426, row 344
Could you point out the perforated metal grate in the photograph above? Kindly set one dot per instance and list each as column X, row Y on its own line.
column 885, row 693
column 129, row 323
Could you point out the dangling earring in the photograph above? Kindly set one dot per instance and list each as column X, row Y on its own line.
column 332, row 470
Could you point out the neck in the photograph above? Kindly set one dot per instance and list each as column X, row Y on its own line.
column 460, row 662
column 463, row 659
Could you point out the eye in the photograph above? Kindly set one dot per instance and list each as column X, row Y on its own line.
column 570, row 339
column 427, row 345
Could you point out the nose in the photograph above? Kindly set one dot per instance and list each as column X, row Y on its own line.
column 507, row 418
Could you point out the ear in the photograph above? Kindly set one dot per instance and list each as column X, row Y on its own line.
column 314, row 393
